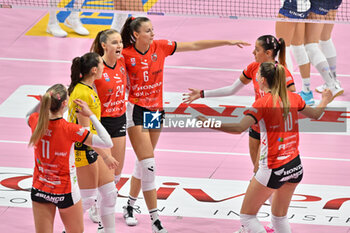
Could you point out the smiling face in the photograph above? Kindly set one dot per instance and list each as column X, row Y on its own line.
column 113, row 46
column 260, row 54
column 145, row 34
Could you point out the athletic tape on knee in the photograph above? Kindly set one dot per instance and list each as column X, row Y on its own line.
column 108, row 194
column 280, row 224
column 315, row 54
column 137, row 173
column 88, row 197
column 251, row 223
column 148, row 174
column 328, row 49
column 300, row 55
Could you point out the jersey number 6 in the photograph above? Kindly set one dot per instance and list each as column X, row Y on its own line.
column 145, row 76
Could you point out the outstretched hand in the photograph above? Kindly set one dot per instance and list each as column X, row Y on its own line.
column 83, row 108
column 192, row 96
column 239, row 43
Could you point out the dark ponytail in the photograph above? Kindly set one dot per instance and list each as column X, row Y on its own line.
column 269, row 42
column 282, row 53
column 81, row 66
column 131, row 25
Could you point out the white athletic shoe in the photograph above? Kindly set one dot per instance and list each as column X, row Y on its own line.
column 93, row 214
column 56, row 30
column 158, row 228
column 75, row 23
column 336, row 90
column 129, row 217
column 321, row 88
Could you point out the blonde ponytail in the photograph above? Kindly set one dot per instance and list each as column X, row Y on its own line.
column 280, row 89
column 51, row 101
column 43, row 121
column 276, row 78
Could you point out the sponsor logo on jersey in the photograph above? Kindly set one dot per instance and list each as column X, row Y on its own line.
column 154, row 57
column 122, row 70
column 133, row 61
column 106, row 77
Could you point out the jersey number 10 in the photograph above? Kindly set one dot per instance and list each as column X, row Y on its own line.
column 288, row 123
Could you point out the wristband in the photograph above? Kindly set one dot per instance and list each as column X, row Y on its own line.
column 202, row 93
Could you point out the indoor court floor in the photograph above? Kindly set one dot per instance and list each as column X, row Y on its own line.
column 201, row 176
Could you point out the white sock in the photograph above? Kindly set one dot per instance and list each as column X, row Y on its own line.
column 251, row 223
column 119, row 21
column 306, row 85
column 324, row 70
column 154, row 214
column 52, row 17
column 131, row 200
column 280, row 224
column 328, row 49
column 319, row 61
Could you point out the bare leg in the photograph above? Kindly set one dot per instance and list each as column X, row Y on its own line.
column 254, row 198
column 286, row 31
column 72, row 218
column 254, row 145
column 44, row 215
column 142, row 145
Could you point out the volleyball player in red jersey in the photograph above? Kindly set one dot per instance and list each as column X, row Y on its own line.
column 144, row 58
column 54, row 179
column 280, row 169
column 111, row 90
column 266, row 49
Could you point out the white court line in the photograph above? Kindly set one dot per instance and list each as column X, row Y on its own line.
column 169, row 67
column 202, row 152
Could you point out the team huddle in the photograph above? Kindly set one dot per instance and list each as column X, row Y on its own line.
column 79, row 161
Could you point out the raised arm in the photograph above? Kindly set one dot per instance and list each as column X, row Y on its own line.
column 206, row 44
column 219, row 92
column 234, row 128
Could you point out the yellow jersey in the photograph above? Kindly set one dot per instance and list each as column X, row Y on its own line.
column 84, row 155
column 87, row 94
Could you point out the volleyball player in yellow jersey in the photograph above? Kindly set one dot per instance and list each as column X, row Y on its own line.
column 93, row 174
